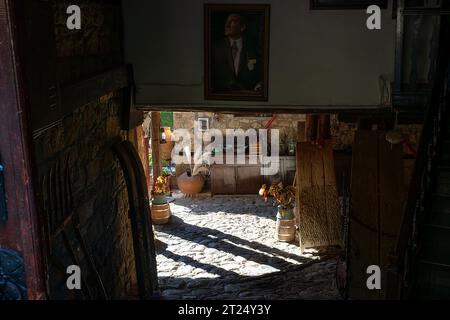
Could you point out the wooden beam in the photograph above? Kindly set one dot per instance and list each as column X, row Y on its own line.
column 324, row 130
column 75, row 95
column 21, row 232
column 301, row 131
column 311, row 127
column 260, row 108
column 156, row 157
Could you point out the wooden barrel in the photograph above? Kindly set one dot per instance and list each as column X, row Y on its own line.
column 160, row 213
column 286, row 230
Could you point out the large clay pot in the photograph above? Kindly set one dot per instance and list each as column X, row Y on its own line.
column 189, row 184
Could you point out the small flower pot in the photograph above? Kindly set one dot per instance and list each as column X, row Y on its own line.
column 159, row 199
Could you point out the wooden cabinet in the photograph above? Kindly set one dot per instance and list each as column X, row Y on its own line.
column 223, row 179
column 286, row 171
column 235, row 179
column 247, row 178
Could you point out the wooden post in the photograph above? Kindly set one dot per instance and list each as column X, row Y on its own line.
column 156, row 159
column 324, row 130
column 147, row 167
column 311, row 127
column 300, row 131
column 21, row 228
column 141, row 143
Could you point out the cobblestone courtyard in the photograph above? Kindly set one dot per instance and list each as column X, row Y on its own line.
column 225, row 248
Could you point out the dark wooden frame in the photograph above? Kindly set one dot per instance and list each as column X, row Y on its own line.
column 250, row 8
column 21, row 232
column 346, row 5
column 140, row 216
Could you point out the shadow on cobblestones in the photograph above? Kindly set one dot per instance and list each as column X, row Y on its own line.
column 197, row 264
column 226, row 248
column 250, row 250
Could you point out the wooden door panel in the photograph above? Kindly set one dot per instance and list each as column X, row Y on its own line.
column 248, row 179
column 223, row 180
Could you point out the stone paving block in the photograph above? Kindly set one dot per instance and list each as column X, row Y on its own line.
column 215, row 251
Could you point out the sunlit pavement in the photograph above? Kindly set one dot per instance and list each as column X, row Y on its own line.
column 225, row 248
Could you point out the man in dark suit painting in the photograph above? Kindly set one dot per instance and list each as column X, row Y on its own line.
column 235, row 63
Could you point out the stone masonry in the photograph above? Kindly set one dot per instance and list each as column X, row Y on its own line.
column 85, row 137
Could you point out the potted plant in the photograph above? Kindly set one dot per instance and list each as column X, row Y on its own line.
column 160, row 208
column 167, row 175
column 193, row 179
column 284, row 198
column 159, row 191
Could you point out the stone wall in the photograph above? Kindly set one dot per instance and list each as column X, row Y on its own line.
column 85, row 138
column 286, row 123
column 98, row 190
column 343, row 133
column 96, row 47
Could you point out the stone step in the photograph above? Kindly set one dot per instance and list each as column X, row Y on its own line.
column 433, row 280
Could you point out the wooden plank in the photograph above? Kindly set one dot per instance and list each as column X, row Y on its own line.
column 40, row 67
column 301, row 131
column 248, row 179
column 78, row 94
column 223, row 179
column 332, row 206
column 311, row 127
column 141, row 223
column 377, row 187
column 392, row 200
column 318, row 210
column 364, row 242
column 156, row 159
column 323, row 128
column 22, row 231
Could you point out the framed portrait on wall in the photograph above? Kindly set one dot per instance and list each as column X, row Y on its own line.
column 236, row 51
column 346, row 4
